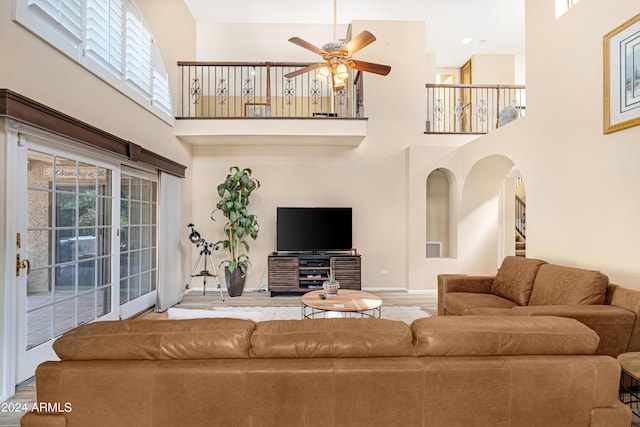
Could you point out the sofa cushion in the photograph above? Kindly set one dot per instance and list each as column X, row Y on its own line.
column 501, row 336
column 350, row 337
column 560, row 285
column 515, row 278
column 462, row 303
column 157, row 339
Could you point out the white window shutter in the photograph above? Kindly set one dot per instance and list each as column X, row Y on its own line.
column 138, row 54
column 67, row 15
column 105, row 34
column 161, row 95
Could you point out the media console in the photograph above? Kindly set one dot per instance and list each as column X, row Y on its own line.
column 299, row 273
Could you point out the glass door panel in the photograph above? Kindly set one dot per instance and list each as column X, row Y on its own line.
column 69, row 237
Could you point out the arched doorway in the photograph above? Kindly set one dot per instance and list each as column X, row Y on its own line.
column 486, row 224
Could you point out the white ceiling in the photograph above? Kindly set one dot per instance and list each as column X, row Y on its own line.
column 496, row 26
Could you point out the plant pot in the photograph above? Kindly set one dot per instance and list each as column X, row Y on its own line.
column 235, row 282
column 331, row 288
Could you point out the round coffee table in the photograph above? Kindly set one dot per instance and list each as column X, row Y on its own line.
column 360, row 303
column 630, row 380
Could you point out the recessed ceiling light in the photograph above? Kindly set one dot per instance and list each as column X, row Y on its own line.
column 466, row 40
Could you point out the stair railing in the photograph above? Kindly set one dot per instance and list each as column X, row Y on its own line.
column 521, row 224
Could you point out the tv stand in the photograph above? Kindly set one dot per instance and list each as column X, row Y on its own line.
column 300, row 273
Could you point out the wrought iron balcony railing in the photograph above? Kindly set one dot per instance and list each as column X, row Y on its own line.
column 225, row 90
column 474, row 109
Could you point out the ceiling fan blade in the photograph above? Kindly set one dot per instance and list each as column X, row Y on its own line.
column 303, row 70
column 369, row 67
column 363, row 39
column 307, row 45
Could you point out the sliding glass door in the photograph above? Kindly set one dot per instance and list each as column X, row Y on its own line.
column 66, row 231
column 85, row 232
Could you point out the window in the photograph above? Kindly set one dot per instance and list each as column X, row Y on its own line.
column 563, row 6
column 138, row 55
column 105, row 34
column 108, row 37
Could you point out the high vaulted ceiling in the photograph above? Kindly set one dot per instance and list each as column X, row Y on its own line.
column 496, row 26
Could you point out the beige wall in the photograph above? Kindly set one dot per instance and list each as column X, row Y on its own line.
column 261, row 42
column 493, row 69
column 567, row 120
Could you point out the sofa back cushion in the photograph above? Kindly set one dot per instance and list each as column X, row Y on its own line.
column 157, row 340
column 515, row 278
column 502, row 336
column 351, row 337
column 560, row 285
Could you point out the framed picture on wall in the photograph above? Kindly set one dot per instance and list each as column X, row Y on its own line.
column 622, row 76
column 255, row 109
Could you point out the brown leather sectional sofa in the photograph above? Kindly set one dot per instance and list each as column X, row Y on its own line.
column 440, row 371
column 532, row 287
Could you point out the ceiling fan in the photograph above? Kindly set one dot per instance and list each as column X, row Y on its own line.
column 337, row 58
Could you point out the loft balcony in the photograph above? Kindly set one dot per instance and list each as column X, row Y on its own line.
column 472, row 109
column 253, row 103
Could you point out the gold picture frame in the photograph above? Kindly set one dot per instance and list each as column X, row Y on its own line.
column 255, row 109
column 621, row 49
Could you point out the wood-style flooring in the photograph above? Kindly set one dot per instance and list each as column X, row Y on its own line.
column 195, row 299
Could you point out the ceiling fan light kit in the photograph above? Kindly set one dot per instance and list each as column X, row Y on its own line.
column 337, row 58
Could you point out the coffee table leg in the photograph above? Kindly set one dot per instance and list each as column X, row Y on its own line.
column 630, row 392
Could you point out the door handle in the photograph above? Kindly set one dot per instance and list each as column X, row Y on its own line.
column 22, row 264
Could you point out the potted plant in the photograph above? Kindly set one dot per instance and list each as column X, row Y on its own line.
column 235, row 194
column 331, row 285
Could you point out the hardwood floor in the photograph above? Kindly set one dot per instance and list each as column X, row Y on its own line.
column 13, row 409
column 195, row 299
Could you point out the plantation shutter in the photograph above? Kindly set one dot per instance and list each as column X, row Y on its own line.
column 138, row 55
column 105, row 33
column 67, row 14
column 161, row 96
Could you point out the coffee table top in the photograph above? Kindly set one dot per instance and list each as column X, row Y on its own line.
column 345, row 300
column 630, row 363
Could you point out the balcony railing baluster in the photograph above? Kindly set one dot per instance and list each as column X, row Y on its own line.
column 260, row 90
column 473, row 109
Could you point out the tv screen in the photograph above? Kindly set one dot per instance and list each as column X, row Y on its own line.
column 313, row 229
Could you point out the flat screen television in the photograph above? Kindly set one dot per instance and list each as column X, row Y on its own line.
column 302, row 229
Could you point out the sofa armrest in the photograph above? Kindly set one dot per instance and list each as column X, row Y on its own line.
column 461, row 283
column 613, row 325
column 628, row 299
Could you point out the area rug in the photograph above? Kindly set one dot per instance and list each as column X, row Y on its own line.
column 405, row 314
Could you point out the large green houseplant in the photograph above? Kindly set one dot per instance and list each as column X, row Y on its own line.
column 235, row 194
